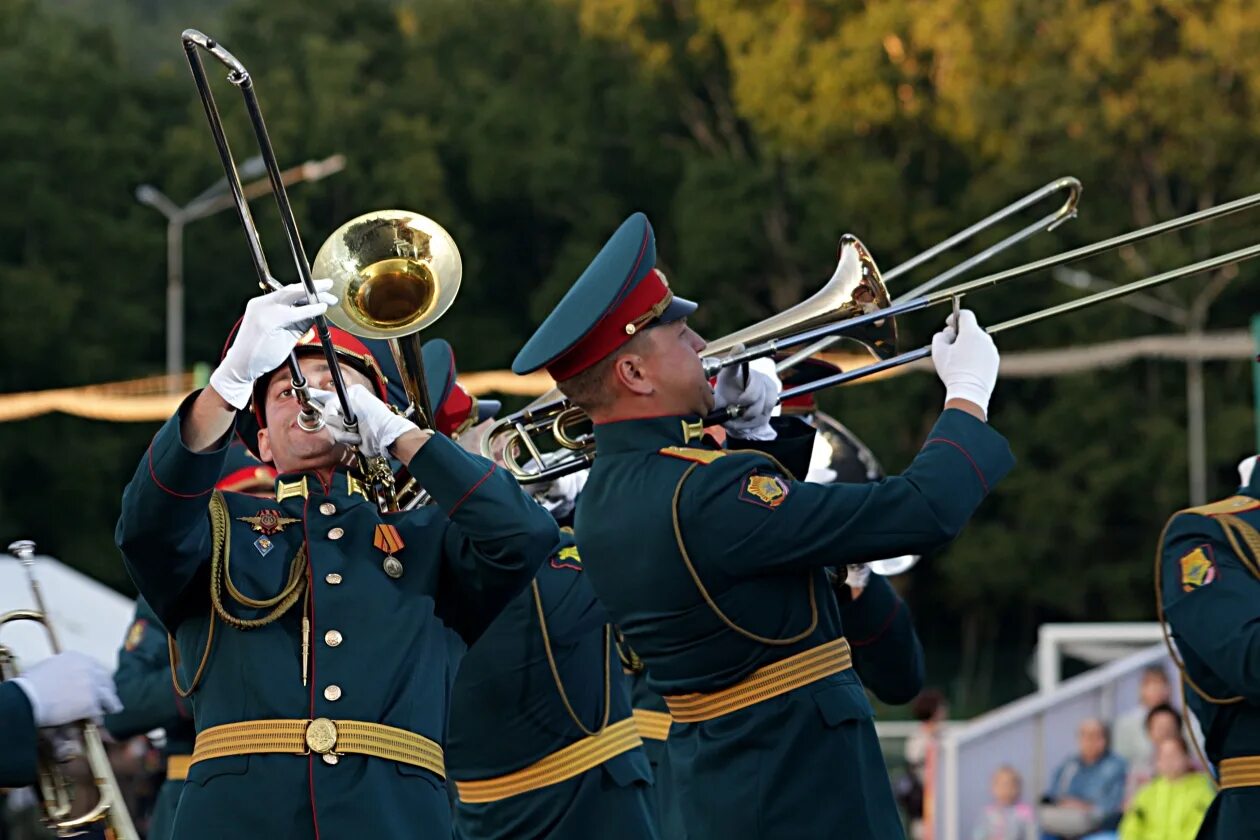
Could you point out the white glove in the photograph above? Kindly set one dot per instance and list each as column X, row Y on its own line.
column 858, row 575
column 759, row 398
column 272, row 325
column 966, row 360
column 379, row 426
column 559, row 497
column 69, row 687
column 1246, row 468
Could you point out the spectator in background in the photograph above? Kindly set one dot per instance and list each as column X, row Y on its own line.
column 1172, row 806
column 1087, row 793
column 918, row 795
column 1006, row 817
column 1162, row 722
column 1131, row 741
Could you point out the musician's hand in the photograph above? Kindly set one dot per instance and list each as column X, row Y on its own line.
column 758, row 397
column 69, row 687
column 966, row 360
column 856, row 577
column 1245, row 469
column 272, row 325
column 379, row 426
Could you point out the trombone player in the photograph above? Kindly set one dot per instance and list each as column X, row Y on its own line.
column 713, row 562
column 61, row 689
column 312, row 630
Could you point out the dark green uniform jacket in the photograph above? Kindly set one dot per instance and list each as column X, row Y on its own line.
column 143, row 681
column 507, row 713
column 887, row 656
column 379, row 645
column 802, row 764
column 1212, row 603
column 17, row 747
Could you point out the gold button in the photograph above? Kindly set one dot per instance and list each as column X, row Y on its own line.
column 330, row 758
column 332, row 578
column 336, row 533
column 332, row 693
column 332, row 638
column 328, row 508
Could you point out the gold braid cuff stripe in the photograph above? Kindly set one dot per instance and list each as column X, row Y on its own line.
column 561, row 765
column 1240, row 772
column 323, row 736
column 653, row 724
column 771, row 681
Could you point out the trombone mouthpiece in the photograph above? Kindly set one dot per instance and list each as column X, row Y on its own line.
column 22, row 549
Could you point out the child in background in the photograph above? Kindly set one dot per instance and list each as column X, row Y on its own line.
column 1006, row 818
column 1172, row 806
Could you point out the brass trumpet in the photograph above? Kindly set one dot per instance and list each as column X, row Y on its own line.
column 56, row 799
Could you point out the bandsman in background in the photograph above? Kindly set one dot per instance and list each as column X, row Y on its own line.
column 61, row 689
column 312, row 630
column 713, row 563
column 143, row 678
column 1208, row 592
column 541, row 742
column 887, row 653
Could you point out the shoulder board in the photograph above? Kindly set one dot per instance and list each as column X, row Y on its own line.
column 700, row 456
column 1234, row 504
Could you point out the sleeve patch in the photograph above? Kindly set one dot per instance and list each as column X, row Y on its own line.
column 764, row 490
column 135, row 635
column 567, row 558
column 1198, row 568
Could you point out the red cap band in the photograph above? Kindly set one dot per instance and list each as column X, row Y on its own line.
column 802, row 404
column 645, row 302
column 454, row 413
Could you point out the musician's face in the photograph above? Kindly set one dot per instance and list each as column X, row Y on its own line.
column 283, row 442
column 671, row 363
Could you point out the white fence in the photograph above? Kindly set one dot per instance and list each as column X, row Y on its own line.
column 1033, row 735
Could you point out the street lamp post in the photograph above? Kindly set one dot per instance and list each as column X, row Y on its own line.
column 1193, row 319
column 213, row 199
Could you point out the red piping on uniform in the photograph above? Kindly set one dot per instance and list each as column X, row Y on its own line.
column 979, row 474
column 310, row 588
column 167, row 490
column 471, row 490
column 882, row 630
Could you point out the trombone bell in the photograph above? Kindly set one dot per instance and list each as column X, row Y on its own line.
column 855, row 288
column 394, row 273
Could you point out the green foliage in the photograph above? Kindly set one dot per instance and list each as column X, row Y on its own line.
column 753, row 132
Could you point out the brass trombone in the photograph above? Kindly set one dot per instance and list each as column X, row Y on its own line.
column 56, row 799
column 875, row 328
column 394, row 272
column 845, row 295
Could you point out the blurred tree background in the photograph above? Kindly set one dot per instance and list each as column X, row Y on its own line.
column 752, row 132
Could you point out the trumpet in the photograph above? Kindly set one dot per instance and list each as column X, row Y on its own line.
column 56, row 799
column 875, row 328
column 395, row 272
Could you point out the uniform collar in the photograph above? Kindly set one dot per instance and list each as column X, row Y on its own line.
column 650, row 433
column 303, row 485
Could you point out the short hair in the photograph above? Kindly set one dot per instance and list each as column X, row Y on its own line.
column 1155, row 671
column 1161, row 709
column 1102, row 727
column 591, row 389
column 1008, row 770
column 926, row 704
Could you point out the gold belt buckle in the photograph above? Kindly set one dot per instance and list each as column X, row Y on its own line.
column 321, row 736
